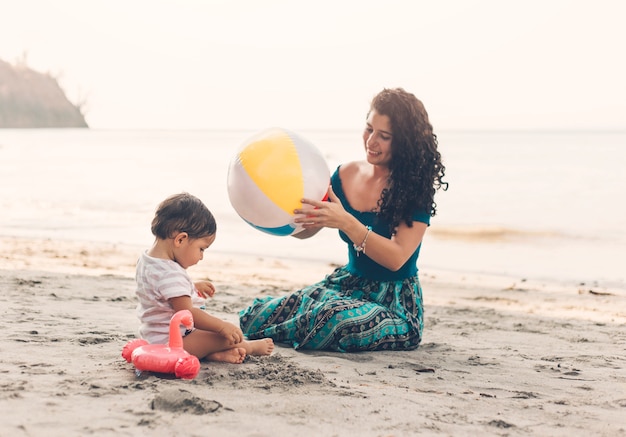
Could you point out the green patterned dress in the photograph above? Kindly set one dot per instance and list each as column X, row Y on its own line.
column 360, row 306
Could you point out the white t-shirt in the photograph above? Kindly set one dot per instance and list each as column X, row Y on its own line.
column 159, row 280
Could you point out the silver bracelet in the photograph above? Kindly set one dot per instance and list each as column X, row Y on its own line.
column 361, row 247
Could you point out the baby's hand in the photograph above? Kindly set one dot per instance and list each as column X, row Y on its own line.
column 205, row 289
column 232, row 333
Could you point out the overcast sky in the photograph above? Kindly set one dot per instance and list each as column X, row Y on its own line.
column 206, row 64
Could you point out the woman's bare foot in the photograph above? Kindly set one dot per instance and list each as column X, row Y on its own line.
column 264, row 346
column 235, row 355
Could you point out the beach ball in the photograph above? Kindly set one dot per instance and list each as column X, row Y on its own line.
column 269, row 175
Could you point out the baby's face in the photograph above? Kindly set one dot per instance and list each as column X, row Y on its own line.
column 192, row 250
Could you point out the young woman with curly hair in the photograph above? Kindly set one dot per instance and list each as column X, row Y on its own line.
column 382, row 207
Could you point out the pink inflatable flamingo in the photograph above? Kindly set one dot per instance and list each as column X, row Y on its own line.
column 165, row 358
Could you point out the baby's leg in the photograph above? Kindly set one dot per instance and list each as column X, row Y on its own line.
column 263, row 346
column 207, row 344
column 204, row 343
column 235, row 355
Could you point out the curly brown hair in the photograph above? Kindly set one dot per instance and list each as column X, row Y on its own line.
column 416, row 169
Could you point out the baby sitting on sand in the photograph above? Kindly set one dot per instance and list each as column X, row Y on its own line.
column 184, row 228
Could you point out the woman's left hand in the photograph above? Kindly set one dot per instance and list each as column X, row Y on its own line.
column 322, row 214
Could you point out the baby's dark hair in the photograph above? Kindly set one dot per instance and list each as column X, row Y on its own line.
column 183, row 213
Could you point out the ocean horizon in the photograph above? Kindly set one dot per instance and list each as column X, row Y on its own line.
column 528, row 204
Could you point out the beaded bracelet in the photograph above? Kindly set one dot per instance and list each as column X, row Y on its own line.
column 361, row 247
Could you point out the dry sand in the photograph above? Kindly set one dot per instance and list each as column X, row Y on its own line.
column 500, row 356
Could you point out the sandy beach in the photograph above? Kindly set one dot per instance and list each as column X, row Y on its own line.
column 500, row 356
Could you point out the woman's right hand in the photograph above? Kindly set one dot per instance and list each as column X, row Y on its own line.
column 324, row 214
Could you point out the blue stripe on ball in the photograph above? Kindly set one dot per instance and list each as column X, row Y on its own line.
column 281, row 231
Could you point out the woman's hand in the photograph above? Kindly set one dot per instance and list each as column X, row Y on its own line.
column 205, row 289
column 323, row 214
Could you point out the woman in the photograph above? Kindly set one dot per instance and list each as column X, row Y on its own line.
column 381, row 207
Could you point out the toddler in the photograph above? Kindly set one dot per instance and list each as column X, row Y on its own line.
column 184, row 228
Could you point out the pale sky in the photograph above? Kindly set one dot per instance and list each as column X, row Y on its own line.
column 209, row 64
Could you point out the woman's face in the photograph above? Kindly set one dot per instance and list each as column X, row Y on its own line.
column 377, row 139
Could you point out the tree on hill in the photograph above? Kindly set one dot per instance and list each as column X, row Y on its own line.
column 29, row 99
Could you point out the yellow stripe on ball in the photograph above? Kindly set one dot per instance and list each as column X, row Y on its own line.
column 269, row 175
column 274, row 166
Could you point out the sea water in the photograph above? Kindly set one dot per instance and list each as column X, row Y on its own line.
column 525, row 204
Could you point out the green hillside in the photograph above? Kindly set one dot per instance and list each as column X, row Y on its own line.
column 29, row 99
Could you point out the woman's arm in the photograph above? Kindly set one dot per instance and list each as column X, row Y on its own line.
column 390, row 253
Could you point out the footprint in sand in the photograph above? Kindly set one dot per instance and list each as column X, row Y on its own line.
column 182, row 401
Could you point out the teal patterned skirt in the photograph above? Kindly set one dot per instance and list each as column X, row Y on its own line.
column 344, row 313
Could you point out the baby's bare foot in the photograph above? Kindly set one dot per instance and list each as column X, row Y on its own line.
column 264, row 346
column 235, row 355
